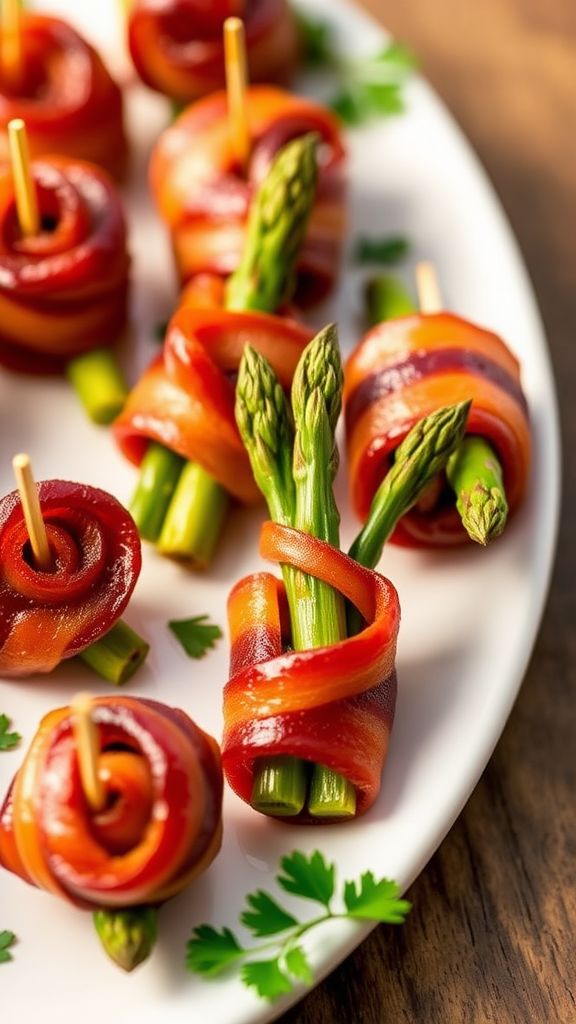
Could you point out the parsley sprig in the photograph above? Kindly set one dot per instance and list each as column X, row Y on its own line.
column 365, row 87
column 211, row 951
column 8, row 740
column 7, row 939
column 197, row 635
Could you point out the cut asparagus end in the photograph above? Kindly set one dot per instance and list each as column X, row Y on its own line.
column 331, row 795
column 127, row 935
column 160, row 471
column 475, row 474
column 195, row 516
column 99, row 383
column 386, row 299
column 117, row 655
column 280, row 786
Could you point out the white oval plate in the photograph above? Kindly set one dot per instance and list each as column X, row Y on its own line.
column 469, row 619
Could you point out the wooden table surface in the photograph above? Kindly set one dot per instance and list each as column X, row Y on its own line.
column 492, row 936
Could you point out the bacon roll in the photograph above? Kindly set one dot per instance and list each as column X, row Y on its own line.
column 331, row 705
column 63, row 291
column 205, row 199
column 407, row 368
column 65, row 94
column 177, row 45
column 161, row 824
column 46, row 616
column 185, row 400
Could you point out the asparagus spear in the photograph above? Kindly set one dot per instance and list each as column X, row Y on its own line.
column 474, row 472
column 99, row 382
column 303, row 498
column 185, row 513
column 127, row 935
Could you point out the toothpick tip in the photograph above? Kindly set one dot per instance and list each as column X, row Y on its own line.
column 21, row 461
column 233, row 24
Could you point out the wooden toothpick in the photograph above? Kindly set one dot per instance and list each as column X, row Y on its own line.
column 88, row 750
column 32, row 512
column 236, row 85
column 11, row 39
column 429, row 297
column 24, row 187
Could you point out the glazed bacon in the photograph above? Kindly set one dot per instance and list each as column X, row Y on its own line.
column 46, row 616
column 405, row 369
column 177, row 45
column 160, row 828
column 66, row 96
column 204, row 198
column 185, row 400
column 63, row 291
column 331, row 705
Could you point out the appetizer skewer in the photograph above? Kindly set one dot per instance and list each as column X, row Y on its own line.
column 405, row 368
column 184, row 403
column 204, row 194
column 64, row 273
column 56, row 82
column 177, row 47
column 116, row 808
column 306, row 731
column 69, row 561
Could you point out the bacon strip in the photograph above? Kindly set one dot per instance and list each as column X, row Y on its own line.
column 185, row 400
column 48, row 616
column 160, row 828
column 64, row 291
column 406, row 369
column 205, row 200
column 331, row 705
column 66, row 96
column 177, row 45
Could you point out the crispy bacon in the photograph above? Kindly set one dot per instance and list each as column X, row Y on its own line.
column 331, row 705
column 177, row 45
column 64, row 290
column 46, row 616
column 161, row 824
column 405, row 369
column 185, row 400
column 66, row 96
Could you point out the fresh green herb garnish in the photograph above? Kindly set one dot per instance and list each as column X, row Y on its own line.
column 196, row 635
column 8, row 740
column 209, row 951
column 7, row 940
column 365, row 87
column 384, row 251
column 372, row 87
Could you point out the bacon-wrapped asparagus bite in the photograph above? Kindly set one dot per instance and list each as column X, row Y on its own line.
column 204, row 196
column 158, row 828
column 404, row 369
column 55, row 81
column 177, row 46
column 184, row 404
column 306, row 730
column 63, row 274
column 73, row 604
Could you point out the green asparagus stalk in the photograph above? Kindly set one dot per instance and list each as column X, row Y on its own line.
column 386, row 299
column 160, row 471
column 189, row 524
column 303, row 498
column 265, row 276
column 117, row 655
column 127, row 935
column 474, row 472
column 99, row 383
column 475, row 475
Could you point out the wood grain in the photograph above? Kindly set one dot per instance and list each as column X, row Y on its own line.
column 491, row 939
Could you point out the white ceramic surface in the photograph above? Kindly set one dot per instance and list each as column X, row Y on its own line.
column 469, row 619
